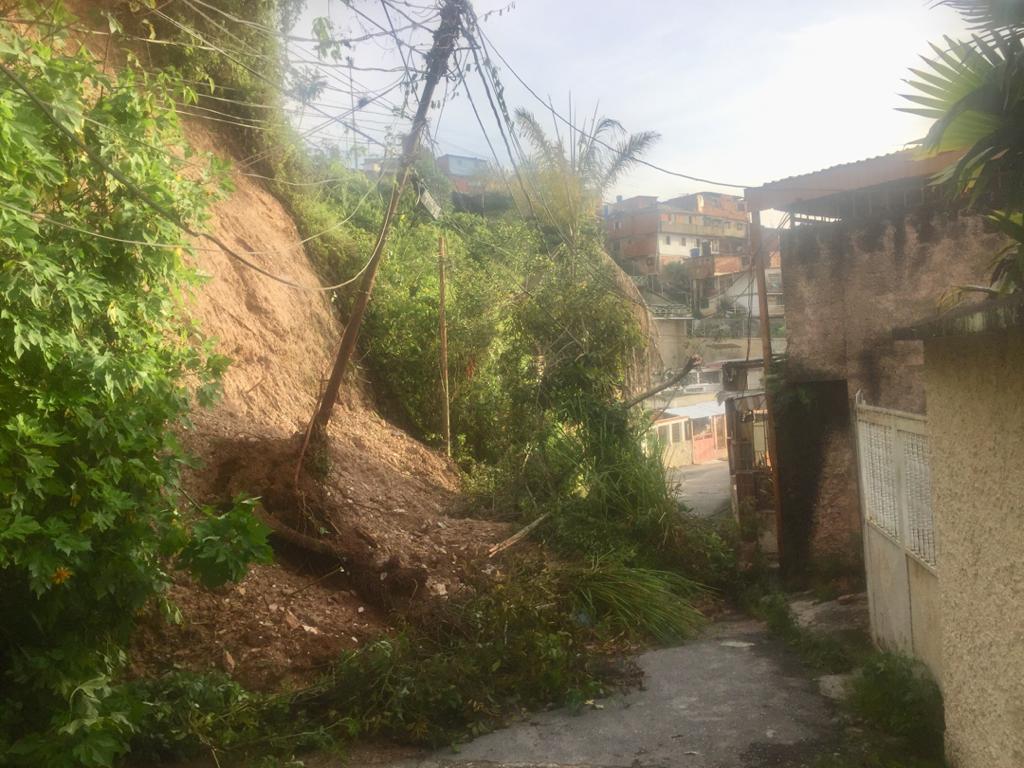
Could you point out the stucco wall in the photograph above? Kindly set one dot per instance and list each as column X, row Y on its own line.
column 976, row 431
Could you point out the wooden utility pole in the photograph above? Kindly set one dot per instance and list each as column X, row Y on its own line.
column 443, row 329
column 437, row 65
column 758, row 251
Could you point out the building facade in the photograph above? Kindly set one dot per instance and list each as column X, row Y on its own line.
column 645, row 235
column 468, row 175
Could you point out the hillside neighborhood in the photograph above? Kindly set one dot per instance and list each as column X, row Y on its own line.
column 363, row 404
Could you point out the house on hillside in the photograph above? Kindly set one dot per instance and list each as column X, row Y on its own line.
column 468, row 175
column 741, row 297
column 873, row 246
column 688, row 255
column 645, row 235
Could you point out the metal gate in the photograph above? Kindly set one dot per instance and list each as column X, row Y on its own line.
column 895, row 478
column 900, row 547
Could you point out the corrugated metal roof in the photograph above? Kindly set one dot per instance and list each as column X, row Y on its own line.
column 783, row 194
column 698, row 411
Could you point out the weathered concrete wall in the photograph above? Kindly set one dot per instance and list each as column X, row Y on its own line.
column 675, row 345
column 976, row 432
column 817, row 470
column 847, row 287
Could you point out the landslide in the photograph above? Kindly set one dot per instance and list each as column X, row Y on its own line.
column 382, row 504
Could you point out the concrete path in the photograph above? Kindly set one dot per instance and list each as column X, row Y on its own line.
column 734, row 699
column 704, row 487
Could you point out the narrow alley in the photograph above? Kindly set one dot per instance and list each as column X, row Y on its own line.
column 704, row 488
column 735, row 698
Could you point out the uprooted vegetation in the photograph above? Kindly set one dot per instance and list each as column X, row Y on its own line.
column 126, row 477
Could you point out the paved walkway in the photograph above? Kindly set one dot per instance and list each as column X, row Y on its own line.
column 734, row 699
column 704, row 487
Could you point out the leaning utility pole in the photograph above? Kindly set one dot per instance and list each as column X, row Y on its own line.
column 437, row 65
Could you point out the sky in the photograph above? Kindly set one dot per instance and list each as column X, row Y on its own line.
column 741, row 92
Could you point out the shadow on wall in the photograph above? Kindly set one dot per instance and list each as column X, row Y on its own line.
column 819, row 532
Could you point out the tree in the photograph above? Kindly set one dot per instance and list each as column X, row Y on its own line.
column 567, row 178
column 974, row 91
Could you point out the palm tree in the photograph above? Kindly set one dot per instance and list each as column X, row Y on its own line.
column 566, row 178
column 974, row 91
column 563, row 183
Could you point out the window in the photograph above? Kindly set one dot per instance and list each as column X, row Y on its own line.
column 677, row 432
column 663, row 436
column 668, row 239
column 689, row 430
column 714, row 246
column 618, row 225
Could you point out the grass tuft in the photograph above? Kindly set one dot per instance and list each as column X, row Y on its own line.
column 643, row 601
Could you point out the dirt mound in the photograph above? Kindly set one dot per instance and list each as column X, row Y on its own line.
column 380, row 510
column 282, row 625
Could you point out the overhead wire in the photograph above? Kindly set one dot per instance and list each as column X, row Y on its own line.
column 142, row 195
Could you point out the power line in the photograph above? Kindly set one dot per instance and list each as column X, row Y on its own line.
column 599, row 141
column 161, row 210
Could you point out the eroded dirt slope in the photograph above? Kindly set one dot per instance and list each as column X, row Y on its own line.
column 385, row 489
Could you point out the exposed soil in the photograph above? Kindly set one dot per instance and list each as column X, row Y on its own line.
column 278, row 627
column 379, row 513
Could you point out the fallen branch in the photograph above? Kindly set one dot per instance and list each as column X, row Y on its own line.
column 379, row 581
column 692, row 363
column 516, row 537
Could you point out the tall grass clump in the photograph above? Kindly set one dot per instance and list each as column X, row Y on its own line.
column 635, row 601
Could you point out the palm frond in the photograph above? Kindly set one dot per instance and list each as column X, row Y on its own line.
column 627, row 154
column 988, row 14
column 550, row 153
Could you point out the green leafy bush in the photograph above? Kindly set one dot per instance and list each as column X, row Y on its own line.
column 459, row 668
column 93, row 363
column 222, row 546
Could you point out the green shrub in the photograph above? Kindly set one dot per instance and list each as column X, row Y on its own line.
column 222, row 546
column 897, row 695
column 452, row 673
column 93, row 365
column 705, row 550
